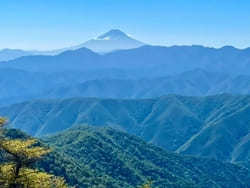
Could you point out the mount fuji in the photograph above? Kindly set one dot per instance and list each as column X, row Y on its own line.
column 113, row 40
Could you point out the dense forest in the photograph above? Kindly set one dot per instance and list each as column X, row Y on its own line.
column 104, row 157
column 214, row 126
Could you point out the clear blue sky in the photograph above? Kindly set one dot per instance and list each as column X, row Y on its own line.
column 51, row 24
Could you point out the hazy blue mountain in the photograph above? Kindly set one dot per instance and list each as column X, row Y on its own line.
column 176, row 59
column 235, row 85
column 18, row 85
column 216, row 126
column 149, row 61
column 78, row 60
column 191, row 83
column 10, row 54
column 110, row 41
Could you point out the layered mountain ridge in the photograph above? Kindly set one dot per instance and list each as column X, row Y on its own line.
column 214, row 126
column 19, row 85
column 151, row 60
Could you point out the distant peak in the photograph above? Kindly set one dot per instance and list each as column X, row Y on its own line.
column 228, row 48
column 113, row 40
column 113, row 34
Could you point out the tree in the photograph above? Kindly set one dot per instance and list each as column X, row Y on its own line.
column 147, row 185
column 17, row 159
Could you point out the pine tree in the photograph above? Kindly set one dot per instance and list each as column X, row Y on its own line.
column 147, row 185
column 17, row 158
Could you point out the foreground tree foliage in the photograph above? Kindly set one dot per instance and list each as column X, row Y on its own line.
column 147, row 185
column 17, row 158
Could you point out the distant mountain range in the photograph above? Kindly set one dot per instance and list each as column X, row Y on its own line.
column 146, row 61
column 191, row 83
column 215, row 127
column 110, row 41
column 147, row 71
column 18, row 85
column 10, row 54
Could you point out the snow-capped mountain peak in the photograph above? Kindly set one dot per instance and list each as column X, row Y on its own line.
column 114, row 39
column 112, row 35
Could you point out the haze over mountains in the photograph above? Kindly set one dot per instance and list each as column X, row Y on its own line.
column 24, row 85
column 10, row 54
column 147, row 71
column 107, row 42
column 133, row 56
column 149, row 60
column 172, row 97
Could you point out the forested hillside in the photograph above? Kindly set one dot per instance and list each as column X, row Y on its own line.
column 105, row 157
column 216, row 126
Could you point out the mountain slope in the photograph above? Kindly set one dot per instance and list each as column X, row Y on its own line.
column 127, row 161
column 216, row 126
column 10, row 54
column 105, row 157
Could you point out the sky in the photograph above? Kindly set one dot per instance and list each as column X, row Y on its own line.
column 54, row 24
